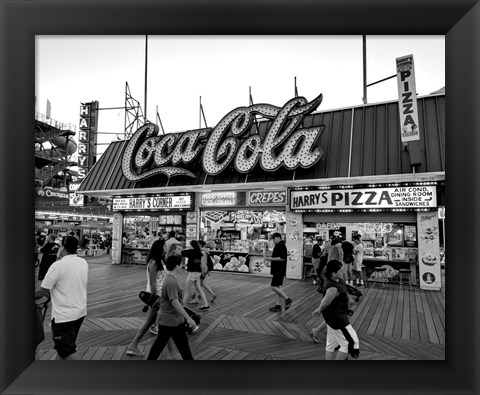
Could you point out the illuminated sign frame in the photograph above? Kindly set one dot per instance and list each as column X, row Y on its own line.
column 284, row 145
column 381, row 197
column 87, row 150
column 160, row 202
column 262, row 198
column 222, row 199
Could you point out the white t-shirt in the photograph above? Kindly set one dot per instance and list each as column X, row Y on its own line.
column 158, row 282
column 358, row 256
column 168, row 243
column 67, row 281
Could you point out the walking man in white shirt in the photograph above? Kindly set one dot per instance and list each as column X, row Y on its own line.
column 66, row 281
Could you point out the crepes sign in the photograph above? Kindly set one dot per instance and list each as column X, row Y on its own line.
column 401, row 197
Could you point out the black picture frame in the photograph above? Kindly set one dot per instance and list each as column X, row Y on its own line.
column 21, row 21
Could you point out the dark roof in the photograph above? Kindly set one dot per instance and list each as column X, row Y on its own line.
column 376, row 150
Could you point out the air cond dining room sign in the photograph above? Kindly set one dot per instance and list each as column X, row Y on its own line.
column 413, row 197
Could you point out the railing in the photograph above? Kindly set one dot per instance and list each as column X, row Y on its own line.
column 52, row 122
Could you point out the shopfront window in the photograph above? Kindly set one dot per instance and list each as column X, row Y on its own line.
column 140, row 231
column 383, row 241
column 240, row 237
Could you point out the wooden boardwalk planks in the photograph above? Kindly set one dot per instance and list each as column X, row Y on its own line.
column 392, row 323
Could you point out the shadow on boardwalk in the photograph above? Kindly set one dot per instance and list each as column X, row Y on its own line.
column 392, row 323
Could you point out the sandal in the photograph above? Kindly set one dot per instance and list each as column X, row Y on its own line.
column 314, row 338
column 135, row 353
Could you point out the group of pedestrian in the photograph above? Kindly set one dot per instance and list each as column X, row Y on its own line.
column 66, row 282
column 167, row 318
column 337, row 248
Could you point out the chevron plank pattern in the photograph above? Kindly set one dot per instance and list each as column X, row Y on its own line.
column 392, row 323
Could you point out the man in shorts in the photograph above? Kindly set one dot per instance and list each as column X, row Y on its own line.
column 342, row 339
column 278, row 269
column 66, row 281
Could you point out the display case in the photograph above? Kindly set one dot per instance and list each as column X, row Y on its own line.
column 309, row 236
column 241, row 240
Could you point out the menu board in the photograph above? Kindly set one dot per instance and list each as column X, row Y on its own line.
column 429, row 251
column 394, row 238
column 162, row 219
column 410, row 235
column 191, row 217
column 116, row 250
column 294, row 244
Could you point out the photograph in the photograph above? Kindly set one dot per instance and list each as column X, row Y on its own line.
column 318, row 133
column 257, row 196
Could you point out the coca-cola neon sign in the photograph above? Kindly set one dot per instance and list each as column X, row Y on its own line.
column 284, row 143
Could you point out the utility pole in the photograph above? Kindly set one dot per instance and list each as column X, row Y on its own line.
column 146, row 62
column 364, row 44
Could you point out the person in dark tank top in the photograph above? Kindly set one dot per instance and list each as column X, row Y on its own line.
column 342, row 339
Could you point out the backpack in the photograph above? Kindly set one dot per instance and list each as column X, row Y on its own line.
column 316, row 251
column 209, row 262
column 347, row 248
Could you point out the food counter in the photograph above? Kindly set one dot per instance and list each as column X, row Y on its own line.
column 392, row 275
column 135, row 255
column 393, row 258
column 244, row 256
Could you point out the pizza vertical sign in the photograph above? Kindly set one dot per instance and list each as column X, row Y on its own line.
column 407, row 99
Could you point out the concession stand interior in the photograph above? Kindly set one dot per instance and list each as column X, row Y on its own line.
column 288, row 168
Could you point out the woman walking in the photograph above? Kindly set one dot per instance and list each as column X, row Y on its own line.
column 155, row 275
column 206, row 267
column 194, row 269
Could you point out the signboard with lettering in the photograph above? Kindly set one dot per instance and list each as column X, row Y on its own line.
column 407, row 99
column 116, row 252
column 267, row 198
column 75, row 199
column 51, row 193
column 402, row 197
column 166, row 202
column 429, row 251
column 285, row 145
column 87, row 138
column 223, row 199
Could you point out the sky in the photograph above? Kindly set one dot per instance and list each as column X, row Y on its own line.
column 70, row 70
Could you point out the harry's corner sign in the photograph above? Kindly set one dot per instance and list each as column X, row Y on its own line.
column 283, row 145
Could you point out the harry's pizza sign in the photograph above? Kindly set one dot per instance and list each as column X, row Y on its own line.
column 403, row 197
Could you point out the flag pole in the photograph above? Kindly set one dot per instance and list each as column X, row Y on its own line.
column 146, row 62
column 364, row 45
